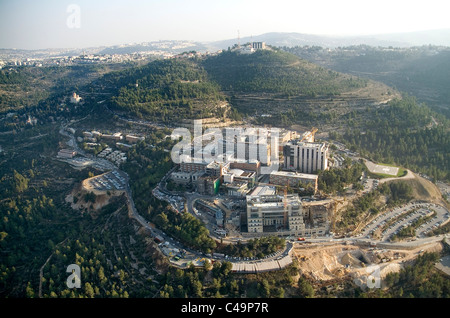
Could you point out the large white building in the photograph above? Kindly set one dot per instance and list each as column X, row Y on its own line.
column 274, row 212
column 305, row 157
column 249, row 145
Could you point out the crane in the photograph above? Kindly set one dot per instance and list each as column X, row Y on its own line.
column 309, row 134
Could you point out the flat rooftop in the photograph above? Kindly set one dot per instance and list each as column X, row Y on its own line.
column 293, row 174
column 272, row 200
column 263, row 190
column 307, row 144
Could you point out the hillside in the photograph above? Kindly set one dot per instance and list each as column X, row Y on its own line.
column 24, row 87
column 423, row 72
column 278, row 72
column 422, row 189
column 168, row 90
column 269, row 87
column 282, row 84
column 288, row 90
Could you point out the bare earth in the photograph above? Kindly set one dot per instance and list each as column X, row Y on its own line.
column 336, row 261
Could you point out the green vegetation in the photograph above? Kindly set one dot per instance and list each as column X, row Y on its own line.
column 395, row 193
column 148, row 163
column 402, row 134
column 357, row 210
column 258, row 247
column 216, row 281
column 28, row 87
column 419, row 280
column 443, row 229
column 336, row 179
column 186, row 228
column 398, row 192
column 401, row 172
column 111, row 263
column 423, row 71
column 410, row 230
column 276, row 72
column 39, row 229
column 167, row 89
column 90, row 197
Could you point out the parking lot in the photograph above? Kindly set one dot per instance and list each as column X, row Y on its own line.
column 369, row 184
column 112, row 180
column 404, row 216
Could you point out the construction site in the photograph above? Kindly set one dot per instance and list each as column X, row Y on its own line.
column 328, row 263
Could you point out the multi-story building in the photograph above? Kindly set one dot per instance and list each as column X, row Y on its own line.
column 306, row 157
column 248, row 145
column 133, row 139
column 115, row 136
column 192, row 166
column 216, row 169
column 250, row 165
column 273, row 212
column 208, row 185
column 66, row 153
column 293, row 179
column 259, row 45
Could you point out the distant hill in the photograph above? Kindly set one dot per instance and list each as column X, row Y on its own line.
column 278, row 72
column 422, row 71
column 433, row 37
column 164, row 46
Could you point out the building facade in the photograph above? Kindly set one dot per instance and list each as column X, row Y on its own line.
column 274, row 212
column 293, row 179
column 305, row 157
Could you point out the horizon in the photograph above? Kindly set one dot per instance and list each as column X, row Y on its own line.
column 229, row 39
column 47, row 24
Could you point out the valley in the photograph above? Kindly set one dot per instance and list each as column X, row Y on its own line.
column 93, row 183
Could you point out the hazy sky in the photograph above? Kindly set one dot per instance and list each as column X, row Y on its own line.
column 34, row 24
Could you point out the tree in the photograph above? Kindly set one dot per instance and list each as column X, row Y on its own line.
column 89, row 291
column 20, row 182
column 207, row 265
column 29, row 291
column 101, row 275
column 264, row 287
column 197, row 288
column 277, row 292
column 305, row 290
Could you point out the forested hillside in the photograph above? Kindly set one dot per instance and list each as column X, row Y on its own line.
column 28, row 87
column 404, row 133
column 423, row 72
column 268, row 71
column 168, row 90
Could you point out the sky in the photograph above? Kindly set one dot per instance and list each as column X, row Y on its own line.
column 42, row 24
